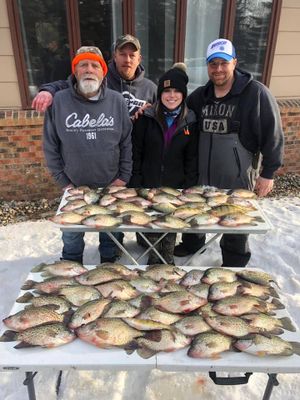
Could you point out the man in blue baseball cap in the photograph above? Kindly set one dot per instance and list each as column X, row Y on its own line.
column 240, row 140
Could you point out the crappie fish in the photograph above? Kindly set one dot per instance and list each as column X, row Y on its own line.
column 145, row 324
column 107, row 333
column 98, row 275
column 88, row 312
column 238, row 201
column 49, row 336
column 259, row 277
column 112, row 189
column 120, row 309
column 211, row 191
column 192, row 325
column 143, row 301
column 231, row 326
column 122, row 207
column 203, row 219
column 253, row 289
column 74, row 197
column 161, row 340
column 145, row 285
column 213, row 275
column 167, row 198
column 140, row 201
column 92, row 209
column 50, row 285
column 67, row 218
column 269, row 324
column 101, row 221
column 227, row 209
column 125, row 193
column 186, row 212
column 91, row 197
column 136, row 218
column 200, row 290
column 79, row 190
column 239, row 305
column 209, row 345
column 217, row 200
column 194, row 189
column 169, row 286
column 164, row 207
column 157, row 272
column 63, row 268
column 171, row 222
column 118, row 289
column 107, row 200
column 192, row 197
column 154, row 314
column 259, row 345
column 192, row 277
column 72, row 205
column 243, row 193
column 78, row 295
column 238, row 219
column 221, row 290
column 62, row 305
column 169, row 190
column 121, row 269
column 207, row 311
column 32, row 316
column 179, row 302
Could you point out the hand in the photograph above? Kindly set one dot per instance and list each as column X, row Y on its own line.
column 42, row 101
column 118, row 182
column 68, row 187
column 140, row 111
column 263, row 186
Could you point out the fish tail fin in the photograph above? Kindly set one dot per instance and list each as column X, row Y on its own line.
column 28, row 285
column 296, row 347
column 287, row 324
column 278, row 304
column 39, row 267
column 9, row 336
column 25, row 298
column 145, row 353
column 273, row 292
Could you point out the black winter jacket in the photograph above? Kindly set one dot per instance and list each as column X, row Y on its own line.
column 254, row 112
column 155, row 166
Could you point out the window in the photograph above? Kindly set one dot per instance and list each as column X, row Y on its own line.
column 47, row 33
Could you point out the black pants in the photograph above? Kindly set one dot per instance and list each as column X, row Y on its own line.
column 165, row 247
column 235, row 248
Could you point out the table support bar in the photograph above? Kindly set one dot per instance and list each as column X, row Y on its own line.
column 272, row 381
column 30, row 384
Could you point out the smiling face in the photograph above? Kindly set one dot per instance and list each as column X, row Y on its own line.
column 89, row 75
column 221, row 72
column 171, row 98
column 127, row 59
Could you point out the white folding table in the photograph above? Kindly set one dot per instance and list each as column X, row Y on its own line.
column 216, row 230
column 79, row 355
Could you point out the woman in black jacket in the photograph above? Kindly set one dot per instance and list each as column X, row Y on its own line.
column 165, row 146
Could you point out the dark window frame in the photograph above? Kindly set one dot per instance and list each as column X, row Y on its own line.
column 226, row 30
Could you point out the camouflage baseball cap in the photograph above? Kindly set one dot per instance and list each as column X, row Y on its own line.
column 127, row 39
column 89, row 49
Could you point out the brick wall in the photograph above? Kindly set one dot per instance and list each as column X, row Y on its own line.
column 290, row 116
column 24, row 176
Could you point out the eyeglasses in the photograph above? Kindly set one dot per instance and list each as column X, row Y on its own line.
column 222, row 64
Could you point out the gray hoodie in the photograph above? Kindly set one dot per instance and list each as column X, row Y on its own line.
column 88, row 142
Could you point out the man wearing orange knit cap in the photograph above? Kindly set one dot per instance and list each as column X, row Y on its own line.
column 87, row 139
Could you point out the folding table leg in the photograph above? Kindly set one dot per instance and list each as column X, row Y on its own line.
column 214, row 238
column 152, row 246
column 271, row 383
column 30, row 384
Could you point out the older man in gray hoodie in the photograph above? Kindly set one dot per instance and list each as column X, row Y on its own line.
column 87, row 139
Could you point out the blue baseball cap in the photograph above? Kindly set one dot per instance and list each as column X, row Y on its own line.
column 220, row 48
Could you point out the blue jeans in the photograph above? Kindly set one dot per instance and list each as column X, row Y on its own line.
column 74, row 245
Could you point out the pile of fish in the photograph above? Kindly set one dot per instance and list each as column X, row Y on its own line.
column 161, row 308
column 162, row 207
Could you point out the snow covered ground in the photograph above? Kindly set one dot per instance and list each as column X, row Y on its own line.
column 27, row 244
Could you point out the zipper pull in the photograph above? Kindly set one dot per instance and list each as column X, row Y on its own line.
column 186, row 131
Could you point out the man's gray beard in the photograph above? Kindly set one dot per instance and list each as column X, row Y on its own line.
column 86, row 86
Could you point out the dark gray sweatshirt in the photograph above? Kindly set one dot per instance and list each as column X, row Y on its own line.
column 88, row 142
